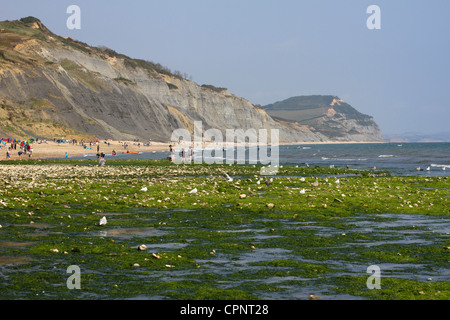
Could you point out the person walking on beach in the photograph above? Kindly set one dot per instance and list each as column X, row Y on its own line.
column 8, row 153
column 191, row 153
column 30, row 150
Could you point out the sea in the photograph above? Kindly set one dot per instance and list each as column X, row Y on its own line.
column 416, row 159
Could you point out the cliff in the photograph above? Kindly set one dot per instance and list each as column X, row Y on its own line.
column 329, row 115
column 52, row 87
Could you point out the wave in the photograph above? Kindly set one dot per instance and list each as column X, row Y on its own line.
column 440, row 165
column 386, row 156
column 345, row 159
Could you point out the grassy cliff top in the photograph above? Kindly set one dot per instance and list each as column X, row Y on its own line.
column 18, row 31
column 320, row 103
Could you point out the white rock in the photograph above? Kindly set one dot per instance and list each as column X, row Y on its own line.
column 102, row 221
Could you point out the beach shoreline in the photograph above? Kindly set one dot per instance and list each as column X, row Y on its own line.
column 51, row 149
column 55, row 150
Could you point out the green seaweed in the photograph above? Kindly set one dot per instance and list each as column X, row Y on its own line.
column 229, row 240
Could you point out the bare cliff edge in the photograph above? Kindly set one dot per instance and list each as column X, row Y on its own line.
column 53, row 87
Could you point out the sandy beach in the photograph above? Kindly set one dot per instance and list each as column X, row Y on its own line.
column 52, row 149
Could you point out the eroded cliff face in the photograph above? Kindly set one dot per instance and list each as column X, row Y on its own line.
column 52, row 86
column 329, row 115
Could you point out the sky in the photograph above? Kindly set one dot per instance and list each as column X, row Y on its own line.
column 270, row 50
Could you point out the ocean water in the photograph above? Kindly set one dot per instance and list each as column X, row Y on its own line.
column 402, row 158
column 398, row 158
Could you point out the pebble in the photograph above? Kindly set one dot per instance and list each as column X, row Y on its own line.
column 142, row 247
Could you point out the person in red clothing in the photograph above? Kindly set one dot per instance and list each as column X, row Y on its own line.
column 29, row 150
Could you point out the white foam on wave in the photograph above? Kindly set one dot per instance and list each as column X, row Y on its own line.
column 386, row 156
column 345, row 159
column 440, row 165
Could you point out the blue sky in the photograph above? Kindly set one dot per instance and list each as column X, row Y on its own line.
column 268, row 51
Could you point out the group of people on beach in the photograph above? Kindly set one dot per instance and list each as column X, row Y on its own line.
column 25, row 147
column 186, row 154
